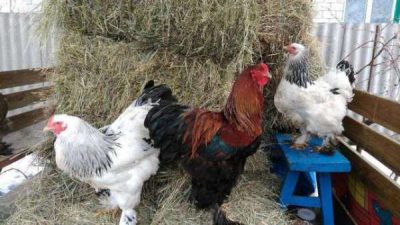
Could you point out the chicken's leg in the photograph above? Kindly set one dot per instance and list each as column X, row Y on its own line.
column 128, row 217
column 327, row 146
column 301, row 141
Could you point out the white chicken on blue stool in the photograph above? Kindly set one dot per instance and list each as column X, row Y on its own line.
column 314, row 106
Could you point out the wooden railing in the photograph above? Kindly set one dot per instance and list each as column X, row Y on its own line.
column 17, row 100
column 386, row 113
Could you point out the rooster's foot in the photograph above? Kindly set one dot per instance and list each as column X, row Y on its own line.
column 299, row 146
column 326, row 150
column 221, row 218
column 113, row 212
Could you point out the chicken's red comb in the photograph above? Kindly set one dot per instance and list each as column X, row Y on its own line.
column 263, row 67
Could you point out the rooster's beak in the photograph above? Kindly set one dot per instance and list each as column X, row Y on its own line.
column 269, row 75
column 45, row 129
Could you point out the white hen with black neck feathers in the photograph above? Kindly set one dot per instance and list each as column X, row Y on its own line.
column 118, row 158
column 315, row 107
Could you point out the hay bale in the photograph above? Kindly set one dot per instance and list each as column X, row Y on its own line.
column 97, row 77
column 108, row 50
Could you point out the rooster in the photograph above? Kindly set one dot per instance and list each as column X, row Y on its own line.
column 212, row 146
column 117, row 159
column 315, row 107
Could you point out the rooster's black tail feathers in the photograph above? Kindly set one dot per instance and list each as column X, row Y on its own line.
column 153, row 94
column 346, row 67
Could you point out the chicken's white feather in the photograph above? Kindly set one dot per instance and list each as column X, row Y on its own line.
column 317, row 107
column 120, row 159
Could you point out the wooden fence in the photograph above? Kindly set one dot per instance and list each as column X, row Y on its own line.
column 18, row 100
column 386, row 113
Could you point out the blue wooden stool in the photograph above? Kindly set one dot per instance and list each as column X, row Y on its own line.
column 306, row 161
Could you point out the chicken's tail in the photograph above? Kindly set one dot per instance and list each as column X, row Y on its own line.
column 155, row 93
column 219, row 217
column 346, row 67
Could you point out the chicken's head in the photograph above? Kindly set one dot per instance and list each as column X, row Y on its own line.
column 62, row 124
column 56, row 125
column 294, row 49
column 260, row 74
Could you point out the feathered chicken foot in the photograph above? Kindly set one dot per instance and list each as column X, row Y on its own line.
column 301, row 142
column 327, row 146
column 300, row 146
column 326, row 150
column 104, row 211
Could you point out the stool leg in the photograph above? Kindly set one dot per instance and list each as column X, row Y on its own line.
column 288, row 187
column 325, row 194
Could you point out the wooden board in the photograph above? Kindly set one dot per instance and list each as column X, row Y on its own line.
column 385, row 189
column 24, row 98
column 26, row 119
column 17, row 78
column 7, row 160
column 385, row 149
column 379, row 110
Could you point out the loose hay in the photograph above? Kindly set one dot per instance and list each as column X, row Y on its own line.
column 108, row 50
column 55, row 199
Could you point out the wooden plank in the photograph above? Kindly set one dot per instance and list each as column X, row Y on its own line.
column 24, row 98
column 7, row 160
column 17, row 78
column 385, row 189
column 379, row 110
column 385, row 149
column 26, row 119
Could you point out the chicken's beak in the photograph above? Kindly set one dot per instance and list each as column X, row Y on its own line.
column 285, row 48
column 269, row 75
column 46, row 129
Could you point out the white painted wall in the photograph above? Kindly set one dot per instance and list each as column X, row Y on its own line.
column 329, row 11
column 19, row 6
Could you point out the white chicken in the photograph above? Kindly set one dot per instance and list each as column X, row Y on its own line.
column 116, row 160
column 315, row 107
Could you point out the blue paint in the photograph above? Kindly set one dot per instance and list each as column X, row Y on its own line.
column 307, row 180
column 306, row 160
column 310, row 164
column 325, row 195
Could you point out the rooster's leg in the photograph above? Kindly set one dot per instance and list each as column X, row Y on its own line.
column 220, row 218
column 301, row 141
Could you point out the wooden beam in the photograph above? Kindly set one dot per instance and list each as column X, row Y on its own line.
column 17, row 78
column 385, row 149
column 379, row 110
column 7, row 160
column 381, row 185
column 26, row 119
column 24, row 98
